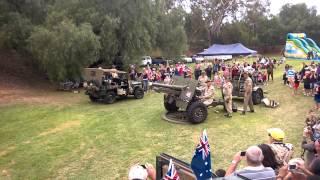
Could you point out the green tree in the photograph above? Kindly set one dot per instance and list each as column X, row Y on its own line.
column 196, row 30
column 126, row 28
column 300, row 18
column 109, row 39
column 171, row 37
column 15, row 31
column 214, row 13
column 65, row 49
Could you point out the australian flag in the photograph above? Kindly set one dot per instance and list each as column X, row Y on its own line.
column 201, row 161
column 172, row 173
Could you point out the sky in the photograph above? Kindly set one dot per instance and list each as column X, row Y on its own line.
column 277, row 4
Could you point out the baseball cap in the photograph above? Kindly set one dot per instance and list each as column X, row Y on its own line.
column 276, row 133
column 138, row 172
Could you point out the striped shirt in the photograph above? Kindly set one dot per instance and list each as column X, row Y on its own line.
column 257, row 173
column 290, row 73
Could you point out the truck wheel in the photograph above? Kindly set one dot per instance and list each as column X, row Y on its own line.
column 197, row 112
column 257, row 96
column 110, row 97
column 93, row 99
column 170, row 107
column 138, row 93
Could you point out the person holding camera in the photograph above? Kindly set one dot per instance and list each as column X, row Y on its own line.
column 254, row 168
column 283, row 151
column 310, row 146
column 296, row 169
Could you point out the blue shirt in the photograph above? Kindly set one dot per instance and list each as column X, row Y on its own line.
column 290, row 73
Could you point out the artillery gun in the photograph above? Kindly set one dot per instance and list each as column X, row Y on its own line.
column 181, row 94
column 182, row 99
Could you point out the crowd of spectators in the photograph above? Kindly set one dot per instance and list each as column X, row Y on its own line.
column 273, row 160
column 309, row 75
column 216, row 70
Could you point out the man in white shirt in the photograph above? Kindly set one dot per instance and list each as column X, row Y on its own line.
column 254, row 168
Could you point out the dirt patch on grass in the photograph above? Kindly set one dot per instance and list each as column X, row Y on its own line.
column 7, row 151
column 74, row 167
column 62, row 127
column 10, row 96
column 22, row 83
column 5, row 173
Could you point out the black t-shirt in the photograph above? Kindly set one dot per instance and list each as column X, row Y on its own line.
column 296, row 79
column 313, row 79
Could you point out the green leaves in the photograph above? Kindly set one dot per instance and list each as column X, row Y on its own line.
column 69, row 35
column 64, row 50
column 16, row 30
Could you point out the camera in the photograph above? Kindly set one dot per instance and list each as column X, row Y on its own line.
column 292, row 166
column 242, row 153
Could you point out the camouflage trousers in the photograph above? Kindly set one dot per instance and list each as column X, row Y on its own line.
column 228, row 104
column 247, row 101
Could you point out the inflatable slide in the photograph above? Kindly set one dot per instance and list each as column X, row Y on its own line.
column 301, row 47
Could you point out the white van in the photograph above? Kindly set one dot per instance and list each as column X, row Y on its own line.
column 145, row 60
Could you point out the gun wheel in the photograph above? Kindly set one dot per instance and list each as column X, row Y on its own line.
column 197, row 112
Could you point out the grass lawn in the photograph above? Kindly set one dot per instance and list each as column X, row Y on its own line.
column 85, row 140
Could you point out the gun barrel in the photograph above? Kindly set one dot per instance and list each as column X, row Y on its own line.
column 174, row 87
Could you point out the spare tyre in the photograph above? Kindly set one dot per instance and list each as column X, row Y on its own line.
column 257, row 96
column 138, row 93
column 234, row 107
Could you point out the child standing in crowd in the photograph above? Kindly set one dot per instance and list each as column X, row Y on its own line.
column 296, row 83
column 209, row 70
column 217, row 80
column 290, row 76
column 260, row 78
column 313, row 80
column 306, row 82
column 167, row 79
column 264, row 77
column 197, row 70
column 285, row 78
column 145, row 77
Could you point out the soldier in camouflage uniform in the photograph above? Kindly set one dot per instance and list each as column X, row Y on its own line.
column 248, row 85
column 208, row 95
column 227, row 94
column 283, row 151
column 203, row 79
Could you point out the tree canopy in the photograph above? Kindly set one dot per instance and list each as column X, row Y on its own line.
column 65, row 36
